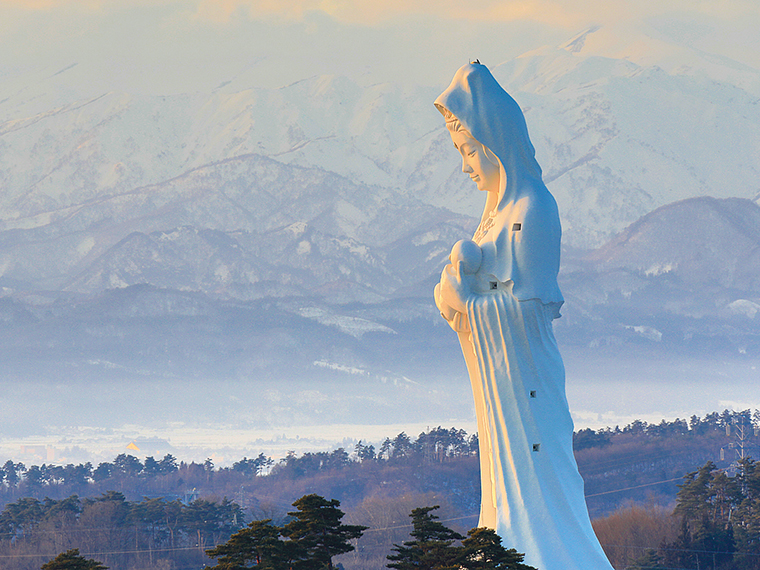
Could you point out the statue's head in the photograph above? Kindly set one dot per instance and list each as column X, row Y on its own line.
column 478, row 162
column 476, row 104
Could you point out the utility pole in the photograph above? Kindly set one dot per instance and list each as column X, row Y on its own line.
column 742, row 431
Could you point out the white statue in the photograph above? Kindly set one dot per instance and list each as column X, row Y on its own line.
column 500, row 294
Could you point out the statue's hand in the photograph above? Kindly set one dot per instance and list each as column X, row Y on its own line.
column 455, row 287
column 446, row 312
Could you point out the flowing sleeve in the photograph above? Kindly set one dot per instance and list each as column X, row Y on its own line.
column 524, row 248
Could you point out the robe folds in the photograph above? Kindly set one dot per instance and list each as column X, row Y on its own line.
column 532, row 493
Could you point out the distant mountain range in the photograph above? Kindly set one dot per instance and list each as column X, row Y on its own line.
column 687, row 274
column 260, row 234
column 683, row 281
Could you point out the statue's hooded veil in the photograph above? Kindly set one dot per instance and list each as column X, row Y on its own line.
column 532, row 493
column 494, row 119
column 529, row 257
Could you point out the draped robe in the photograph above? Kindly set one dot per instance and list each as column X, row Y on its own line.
column 532, row 493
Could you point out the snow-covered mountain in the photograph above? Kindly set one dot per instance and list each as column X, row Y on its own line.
column 701, row 242
column 617, row 136
column 255, row 234
column 281, row 216
column 689, row 271
column 279, row 351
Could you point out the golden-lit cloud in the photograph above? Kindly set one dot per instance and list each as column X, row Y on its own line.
column 559, row 13
column 41, row 5
column 372, row 13
column 47, row 4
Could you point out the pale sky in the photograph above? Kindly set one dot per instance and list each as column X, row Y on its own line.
column 170, row 46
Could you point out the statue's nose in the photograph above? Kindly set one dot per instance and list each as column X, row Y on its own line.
column 466, row 168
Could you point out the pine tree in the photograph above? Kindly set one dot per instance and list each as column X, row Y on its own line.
column 650, row 560
column 695, row 495
column 317, row 533
column 431, row 548
column 258, row 545
column 308, row 542
column 482, row 550
column 71, row 560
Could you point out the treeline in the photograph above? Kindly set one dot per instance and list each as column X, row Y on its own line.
column 695, row 427
column 715, row 524
column 377, row 487
column 151, row 533
column 434, row 446
column 634, row 462
column 645, row 462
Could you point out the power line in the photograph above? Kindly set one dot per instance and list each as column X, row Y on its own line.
column 99, row 554
column 634, row 487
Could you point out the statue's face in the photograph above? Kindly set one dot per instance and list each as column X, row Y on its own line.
column 483, row 172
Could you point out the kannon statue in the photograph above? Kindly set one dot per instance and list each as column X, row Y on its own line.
column 500, row 295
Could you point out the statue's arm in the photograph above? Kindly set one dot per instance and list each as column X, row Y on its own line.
column 451, row 296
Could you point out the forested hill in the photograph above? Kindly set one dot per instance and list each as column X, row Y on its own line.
column 618, row 464
column 155, row 504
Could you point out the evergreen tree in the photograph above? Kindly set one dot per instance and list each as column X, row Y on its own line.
column 253, row 467
column 695, row 495
column 314, row 536
column 71, row 560
column 746, row 519
column 318, row 534
column 431, row 548
column 151, row 467
column 650, row 560
column 711, row 506
column 256, row 546
column 714, row 543
column 168, row 464
column 365, row 452
column 402, row 446
column 127, row 465
column 482, row 550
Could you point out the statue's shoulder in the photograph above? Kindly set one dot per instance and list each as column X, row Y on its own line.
column 540, row 202
column 538, row 205
column 530, row 221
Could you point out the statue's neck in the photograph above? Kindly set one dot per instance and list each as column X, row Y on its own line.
column 491, row 202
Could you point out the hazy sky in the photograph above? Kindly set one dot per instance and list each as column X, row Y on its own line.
column 169, row 46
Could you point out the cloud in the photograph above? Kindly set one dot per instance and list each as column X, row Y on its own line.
column 569, row 14
column 47, row 4
column 374, row 13
column 43, row 5
column 558, row 13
